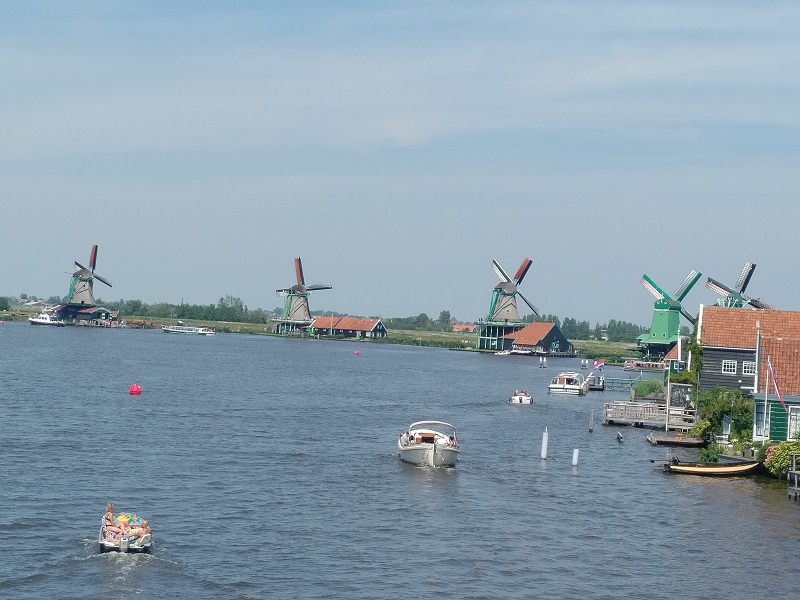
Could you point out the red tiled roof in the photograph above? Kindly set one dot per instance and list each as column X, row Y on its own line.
column 346, row 323
column 780, row 340
column 530, row 335
column 469, row 328
column 672, row 354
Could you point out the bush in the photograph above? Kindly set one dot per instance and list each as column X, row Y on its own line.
column 702, row 429
column 777, row 459
column 761, row 453
column 647, row 387
column 710, row 453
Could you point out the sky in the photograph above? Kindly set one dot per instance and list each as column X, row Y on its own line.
column 398, row 148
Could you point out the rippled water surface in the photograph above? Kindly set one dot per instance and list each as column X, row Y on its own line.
column 268, row 469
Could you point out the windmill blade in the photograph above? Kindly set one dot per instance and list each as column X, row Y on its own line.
column 689, row 317
column 283, row 291
column 80, row 266
column 93, row 258
column 651, row 287
column 500, row 272
column 102, row 279
column 718, row 288
column 531, row 306
column 686, row 285
column 523, row 269
column 298, row 271
column 319, row 286
column 755, row 303
column 744, row 278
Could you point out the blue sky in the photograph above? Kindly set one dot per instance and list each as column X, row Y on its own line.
column 399, row 148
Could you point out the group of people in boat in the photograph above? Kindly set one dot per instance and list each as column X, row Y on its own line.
column 123, row 524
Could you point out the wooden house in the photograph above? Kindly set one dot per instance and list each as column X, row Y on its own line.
column 756, row 352
column 540, row 338
column 351, row 327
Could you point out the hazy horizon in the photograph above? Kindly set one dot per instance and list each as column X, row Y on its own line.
column 398, row 149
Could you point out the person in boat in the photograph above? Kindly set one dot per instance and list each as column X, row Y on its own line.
column 139, row 531
column 113, row 531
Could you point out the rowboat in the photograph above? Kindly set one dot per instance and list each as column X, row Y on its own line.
column 717, row 469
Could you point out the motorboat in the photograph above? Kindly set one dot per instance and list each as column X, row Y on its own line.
column 520, row 397
column 503, row 353
column 429, row 443
column 137, row 537
column 46, row 318
column 187, row 329
column 652, row 366
column 569, row 383
column 710, row 469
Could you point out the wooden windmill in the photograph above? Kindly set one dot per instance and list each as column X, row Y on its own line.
column 735, row 297
column 81, row 287
column 504, row 304
column 296, row 312
column 667, row 311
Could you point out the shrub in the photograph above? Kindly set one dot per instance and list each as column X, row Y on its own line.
column 647, row 387
column 710, row 453
column 702, row 429
column 777, row 459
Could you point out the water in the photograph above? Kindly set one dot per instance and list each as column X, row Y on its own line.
column 268, row 469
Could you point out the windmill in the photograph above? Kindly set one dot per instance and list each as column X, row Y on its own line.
column 735, row 297
column 667, row 311
column 504, row 303
column 81, row 286
column 295, row 306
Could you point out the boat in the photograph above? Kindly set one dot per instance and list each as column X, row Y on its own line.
column 503, row 353
column 654, row 366
column 181, row 328
column 46, row 318
column 429, row 443
column 713, row 469
column 568, row 382
column 520, row 397
column 137, row 539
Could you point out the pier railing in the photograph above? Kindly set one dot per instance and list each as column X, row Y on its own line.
column 648, row 413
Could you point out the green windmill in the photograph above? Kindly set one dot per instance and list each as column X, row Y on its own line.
column 735, row 297
column 667, row 311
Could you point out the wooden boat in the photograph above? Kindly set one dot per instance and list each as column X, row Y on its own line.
column 717, row 469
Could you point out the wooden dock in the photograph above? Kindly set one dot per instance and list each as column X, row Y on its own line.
column 620, row 383
column 649, row 414
column 675, row 438
column 793, row 476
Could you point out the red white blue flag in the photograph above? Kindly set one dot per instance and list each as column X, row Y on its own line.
column 775, row 383
column 599, row 364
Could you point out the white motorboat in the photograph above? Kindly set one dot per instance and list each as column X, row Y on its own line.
column 520, row 397
column 187, row 329
column 429, row 443
column 136, row 539
column 46, row 318
column 503, row 353
column 569, row 383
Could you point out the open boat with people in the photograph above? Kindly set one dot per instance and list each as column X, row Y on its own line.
column 429, row 443
column 568, row 382
column 710, row 469
column 520, row 397
column 46, row 318
column 651, row 366
column 128, row 533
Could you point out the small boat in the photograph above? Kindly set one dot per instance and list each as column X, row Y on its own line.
column 137, row 539
column 568, row 383
column 46, row 318
column 653, row 366
column 717, row 469
column 520, row 397
column 187, row 329
column 429, row 443
column 503, row 353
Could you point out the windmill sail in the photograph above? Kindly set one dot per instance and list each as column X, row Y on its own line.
column 81, row 288
column 504, row 302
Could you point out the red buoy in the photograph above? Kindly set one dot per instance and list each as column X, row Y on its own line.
column 357, row 353
column 135, row 390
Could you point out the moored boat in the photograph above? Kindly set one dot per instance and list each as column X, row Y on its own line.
column 652, row 366
column 187, row 329
column 717, row 469
column 520, row 397
column 46, row 318
column 568, row 383
column 429, row 443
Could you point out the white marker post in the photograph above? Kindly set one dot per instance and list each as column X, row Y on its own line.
column 575, row 457
column 544, row 444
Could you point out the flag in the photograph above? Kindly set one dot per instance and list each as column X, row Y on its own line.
column 775, row 383
column 599, row 364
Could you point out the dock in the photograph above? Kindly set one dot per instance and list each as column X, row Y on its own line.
column 793, row 476
column 621, row 383
column 676, row 438
column 649, row 414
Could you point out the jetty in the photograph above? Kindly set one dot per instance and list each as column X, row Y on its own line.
column 794, row 476
column 675, row 438
column 621, row 383
column 649, row 414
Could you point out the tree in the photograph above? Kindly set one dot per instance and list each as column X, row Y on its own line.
column 23, row 296
column 444, row 321
column 4, row 303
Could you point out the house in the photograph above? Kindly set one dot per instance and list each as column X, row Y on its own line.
column 755, row 351
column 353, row 327
column 464, row 328
column 540, row 338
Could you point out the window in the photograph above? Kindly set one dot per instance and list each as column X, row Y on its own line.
column 794, row 423
column 748, row 367
column 729, row 367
